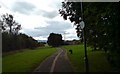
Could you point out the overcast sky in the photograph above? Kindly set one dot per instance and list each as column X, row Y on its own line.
column 39, row 18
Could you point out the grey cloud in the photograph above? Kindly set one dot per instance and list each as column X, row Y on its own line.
column 23, row 7
column 53, row 27
column 56, row 25
column 35, row 33
column 51, row 14
column 72, row 36
column 56, row 4
column 48, row 14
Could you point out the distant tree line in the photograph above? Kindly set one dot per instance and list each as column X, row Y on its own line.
column 72, row 42
column 101, row 25
column 12, row 42
column 11, row 38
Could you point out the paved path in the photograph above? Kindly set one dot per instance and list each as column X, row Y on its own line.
column 58, row 62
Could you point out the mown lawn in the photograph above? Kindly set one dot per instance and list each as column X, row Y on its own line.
column 97, row 59
column 25, row 61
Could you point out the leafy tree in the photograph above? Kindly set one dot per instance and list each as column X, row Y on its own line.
column 55, row 39
column 101, row 20
column 9, row 24
column 101, row 23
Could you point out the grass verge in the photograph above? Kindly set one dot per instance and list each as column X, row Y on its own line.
column 25, row 61
column 97, row 59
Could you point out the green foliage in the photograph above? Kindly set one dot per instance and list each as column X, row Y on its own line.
column 55, row 39
column 101, row 23
column 8, row 24
column 11, row 39
column 12, row 42
column 96, row 59
column 25, row 61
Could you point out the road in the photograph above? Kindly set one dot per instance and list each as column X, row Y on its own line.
column 58, row 62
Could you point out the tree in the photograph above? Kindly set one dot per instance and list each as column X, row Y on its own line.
column 55, row 39
column 101, row 19
column 9, row 24
column 11, row 39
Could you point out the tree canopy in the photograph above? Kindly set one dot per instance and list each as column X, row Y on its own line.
column 8, row 24
column 55, row 40
column 101, row 23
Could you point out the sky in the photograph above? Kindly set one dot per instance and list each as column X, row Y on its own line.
column 39, row 18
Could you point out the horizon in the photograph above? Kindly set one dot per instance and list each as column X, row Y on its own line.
column 69, row 39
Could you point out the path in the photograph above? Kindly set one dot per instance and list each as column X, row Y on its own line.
column 58, row 62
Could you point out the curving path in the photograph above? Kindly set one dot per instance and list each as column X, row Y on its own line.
column 58, row 62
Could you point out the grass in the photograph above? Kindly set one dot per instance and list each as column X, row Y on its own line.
column 97, row 59
column 25, row 61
